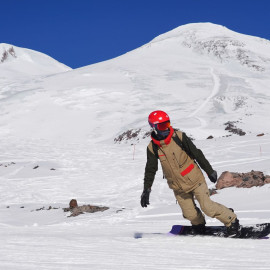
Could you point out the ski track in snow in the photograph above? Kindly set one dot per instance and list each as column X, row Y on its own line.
column 215, row 90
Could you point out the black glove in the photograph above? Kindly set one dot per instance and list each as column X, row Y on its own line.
column 213, row 177
column 145, row 197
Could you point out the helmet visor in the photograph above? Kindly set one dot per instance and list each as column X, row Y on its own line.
column 164, row 125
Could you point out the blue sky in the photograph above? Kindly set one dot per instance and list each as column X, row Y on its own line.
column 82, row 32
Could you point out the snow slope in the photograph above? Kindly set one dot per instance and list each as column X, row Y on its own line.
column 16, row 62
column 204, row 75
column 56, row 144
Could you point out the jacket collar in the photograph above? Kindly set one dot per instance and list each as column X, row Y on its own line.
column 166, row 140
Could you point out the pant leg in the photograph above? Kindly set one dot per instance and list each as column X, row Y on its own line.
column 189, row 209
column 211, row 208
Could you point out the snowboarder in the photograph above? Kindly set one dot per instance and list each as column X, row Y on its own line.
column 180, row 160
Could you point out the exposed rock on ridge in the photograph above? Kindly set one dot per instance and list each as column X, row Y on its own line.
column 7, row 53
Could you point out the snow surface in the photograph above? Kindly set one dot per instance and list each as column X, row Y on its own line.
column 57, row 143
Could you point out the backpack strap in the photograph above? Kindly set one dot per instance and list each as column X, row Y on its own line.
column 180, row 144
column 178, row 141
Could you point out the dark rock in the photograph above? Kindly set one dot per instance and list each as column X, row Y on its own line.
column 228, row 179
column 73, row 203
column 244, row 180
column 128, row 135
column 230, row 126
column 78, row 210
column 147, row 134
column 210, row 137
column 43, row 208
column 39, row 209
column 267, row 179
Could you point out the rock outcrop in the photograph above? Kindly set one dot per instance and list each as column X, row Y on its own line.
column 244, row 180
column 78, row 210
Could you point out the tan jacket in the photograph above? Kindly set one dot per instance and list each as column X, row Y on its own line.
column 181, row 171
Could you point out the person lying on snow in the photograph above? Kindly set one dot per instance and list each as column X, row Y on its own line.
column 181, row 161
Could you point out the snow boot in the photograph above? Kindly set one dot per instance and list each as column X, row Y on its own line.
column 233, row 231
column 198, row 229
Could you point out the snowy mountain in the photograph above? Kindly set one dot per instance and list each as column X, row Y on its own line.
column 57, row 143
column 20, row 62
column 204, row 75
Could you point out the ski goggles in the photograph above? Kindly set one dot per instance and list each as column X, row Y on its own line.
column 162, row 126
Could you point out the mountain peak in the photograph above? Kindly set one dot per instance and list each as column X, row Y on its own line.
column 201, row 29
column 219, row 43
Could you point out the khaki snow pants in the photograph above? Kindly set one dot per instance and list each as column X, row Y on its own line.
column 210, row 208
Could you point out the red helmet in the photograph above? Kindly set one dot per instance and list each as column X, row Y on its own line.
column 159, row 120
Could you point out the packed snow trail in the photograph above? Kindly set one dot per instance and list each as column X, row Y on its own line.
column 215, row 90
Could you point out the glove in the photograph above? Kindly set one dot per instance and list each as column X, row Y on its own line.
column 213, row 177
column 145, row 197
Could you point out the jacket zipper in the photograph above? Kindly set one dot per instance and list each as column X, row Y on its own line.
column 172, row 171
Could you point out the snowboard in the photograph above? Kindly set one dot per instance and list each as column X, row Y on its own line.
column 256, row 231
